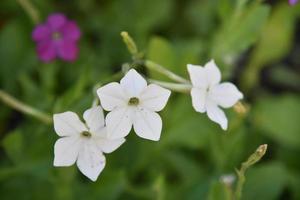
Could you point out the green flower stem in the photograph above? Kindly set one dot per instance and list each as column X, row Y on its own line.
column 162, row 70
column 254, row 158
column 30, row 10
column 183, row 88
column 26, row 109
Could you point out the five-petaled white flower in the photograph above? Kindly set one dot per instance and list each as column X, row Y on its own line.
column 132, row 102
column 208, row 93
column 83, row 143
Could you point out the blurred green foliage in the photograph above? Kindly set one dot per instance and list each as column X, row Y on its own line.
column 255, row 45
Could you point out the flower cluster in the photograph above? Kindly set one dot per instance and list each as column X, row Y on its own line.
column 130, row 102
column 57, row 38
column 133, row 103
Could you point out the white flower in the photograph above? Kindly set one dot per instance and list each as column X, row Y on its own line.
column 208, row 94
column 83, row 143
column 132, row 102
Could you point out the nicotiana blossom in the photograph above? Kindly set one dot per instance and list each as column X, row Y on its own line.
column 133, row 102
column 57, row 38
column 208, row 94
column 293, row 2
column 83, row 143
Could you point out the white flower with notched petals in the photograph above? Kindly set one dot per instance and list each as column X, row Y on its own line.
column 208, row 94
column 83, row 143
column 132, row 102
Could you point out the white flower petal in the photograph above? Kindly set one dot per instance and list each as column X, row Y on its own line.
column 118, row 123
column 154, row 97
column 133, row 83
column 199, row 99
column 213, row 74
column 94, row 119
column 147, row 124
column 225, row 94
column 67, row 124
column 216, row 114
column 66, row 150
column 112, row 96
column 91, row 160
column 107, row 145
column 197, row 76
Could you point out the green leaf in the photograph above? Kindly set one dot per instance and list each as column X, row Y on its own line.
column 265, row 53
column 161, row 52
column 276, row 117
column 219, row 191
column 16, row 54
column 239, row 33
column 266, row 181
column 13, row 145
column 192, row 129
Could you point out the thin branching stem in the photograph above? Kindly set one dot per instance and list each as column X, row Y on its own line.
column 162, row 70
column 24, row 108
column 183, row 88
column 30, row 10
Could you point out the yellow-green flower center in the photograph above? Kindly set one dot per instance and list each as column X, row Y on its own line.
column 56, row 35
column 133, row 101
column 86, row 134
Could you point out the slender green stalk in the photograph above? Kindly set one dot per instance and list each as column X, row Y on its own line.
column 160, row 69
column 30, row 10
column 26, row 109
column 254, row 158
column 183, row 88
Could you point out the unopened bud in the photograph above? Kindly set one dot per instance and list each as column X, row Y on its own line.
column 257, row 155
column 240, row 108
column 131, row 46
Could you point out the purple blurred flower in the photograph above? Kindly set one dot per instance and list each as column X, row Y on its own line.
column 57, row 38
column 293, row 2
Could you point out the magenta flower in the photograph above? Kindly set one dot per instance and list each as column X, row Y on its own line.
column 57, row 38
column 293, row 2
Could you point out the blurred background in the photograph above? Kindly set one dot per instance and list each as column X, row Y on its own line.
column 256, row 46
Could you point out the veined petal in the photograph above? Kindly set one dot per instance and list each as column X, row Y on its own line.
column 66, row 150
column 154, row 97
column 213, row 74
column 197, row 76
column 225, row 94
column 107, row 145
column 147, row 124
column 68, row 124
column 133, row 83
column 91, row 160
column 94, row 119
column 199, row 99
column 119, row 122
column 112, row 96
column 216, row 114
